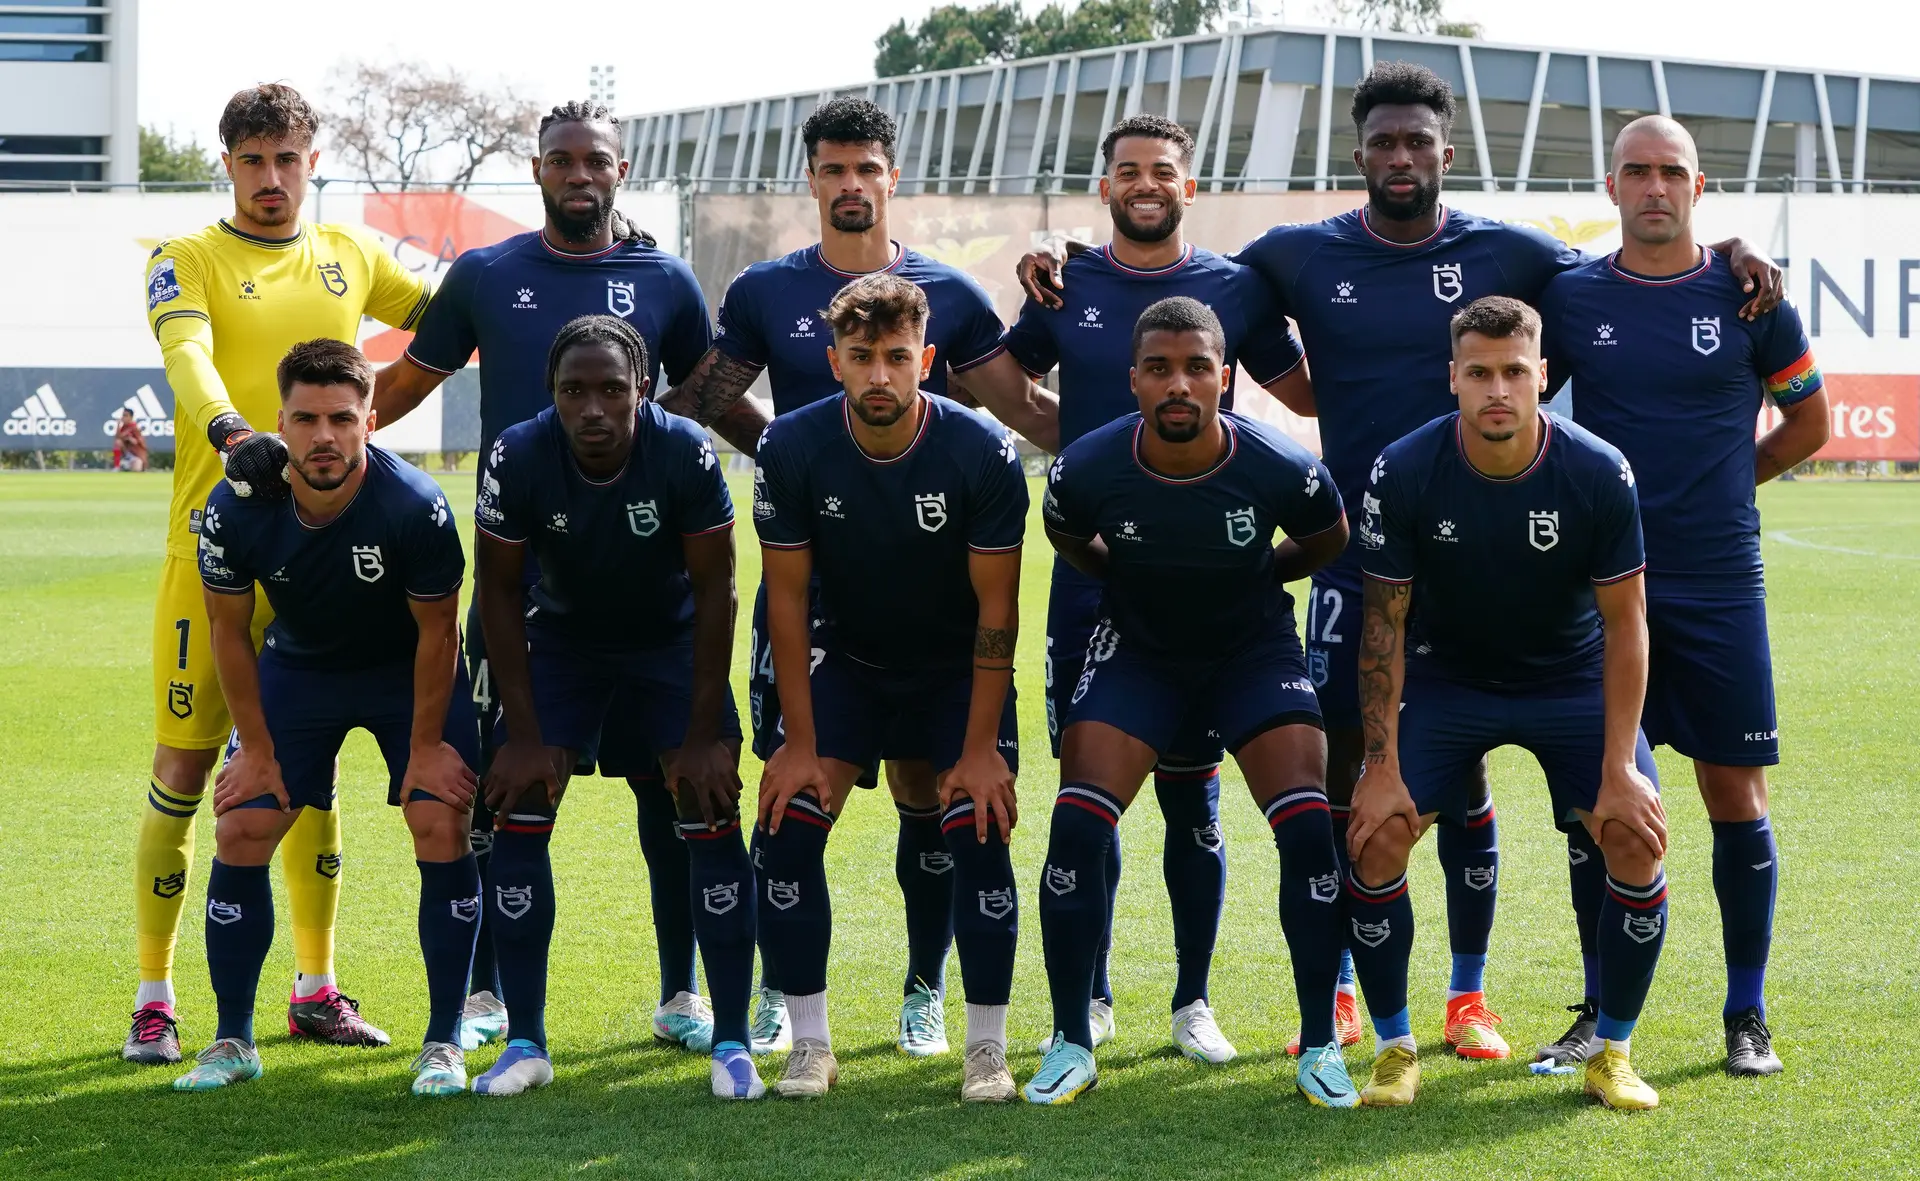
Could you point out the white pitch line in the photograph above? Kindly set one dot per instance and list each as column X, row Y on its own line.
column 1785, row 538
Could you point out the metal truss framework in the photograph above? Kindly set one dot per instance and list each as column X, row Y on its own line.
column 1267, row 108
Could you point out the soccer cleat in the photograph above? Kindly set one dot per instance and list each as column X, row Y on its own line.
column 483, row 1020
column 923, row 1023
column 522, row 1066
column 1099, row 1018
column 772, row 1032
column 811, row 1070
column 1470, row 1028
column 1198, row 1035
column 1396, row 1078
column 1611, row 1080
column 1346, row 1022
column 734, row 1076
column 440, row 1070
column 1577, row 1044
column 154, row 1039
column 1322, row 1077
column 1064, row 1075
column 332, row 1016
column 685, row 1020
column 985, row 1077
column 1750, row 1046
column 222, row 1064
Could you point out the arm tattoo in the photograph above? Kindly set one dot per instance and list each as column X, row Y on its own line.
column 715, row 384
column 1386, row 611
column 993, row 644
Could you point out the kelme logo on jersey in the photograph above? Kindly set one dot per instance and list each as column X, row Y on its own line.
column 1240, row 526
column 1543, row 529
column 802, row 329
column 367, row 563
column 1449, row 282
column 41, row 416
column 644, row 518
column 619, row 297
column 333, row 278
column 997, row 904
column 1706, row 335
column 1343, row 293
column 930, row 510
column 1090, row 318
column 162, row 285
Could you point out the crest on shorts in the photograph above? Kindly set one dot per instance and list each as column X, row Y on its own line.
column 721, row 898
column 1478, row 877
column 465, row 909
column 224, row 913
column 170, row 885
column 644, row 518
column 997, row 904
column 1061, row 881
column 1644, row 928
column 513, row 901
column 1324, row 888
column 180, row 699
column 327, row 865
column 936, row 862
column 1372, row 934
column 1240, row 526
column 783, row 895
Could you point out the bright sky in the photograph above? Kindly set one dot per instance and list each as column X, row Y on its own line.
column 195, row 53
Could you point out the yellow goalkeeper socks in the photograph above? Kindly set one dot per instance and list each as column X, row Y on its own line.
column 310, row 857
column 162, row 855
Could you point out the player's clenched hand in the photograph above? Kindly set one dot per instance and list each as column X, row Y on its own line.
column 439, row 771
column 1378, row 796
column 517, row 768
column 710, row 772
column 984, row 777
column 248, row 775
column 789, row 772
column 255, row 462
column 1629, row 798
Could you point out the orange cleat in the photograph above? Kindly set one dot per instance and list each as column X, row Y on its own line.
column 1346, row 1022
column 1470, row 1028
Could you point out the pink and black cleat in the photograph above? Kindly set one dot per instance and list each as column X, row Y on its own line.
column 334, row 1017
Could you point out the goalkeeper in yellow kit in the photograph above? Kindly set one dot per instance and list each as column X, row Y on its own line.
column 226, row 303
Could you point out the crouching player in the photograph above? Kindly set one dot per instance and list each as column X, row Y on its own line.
column 911, row 510
column 628, row 517
column 362, row 566
column 1174, row 509
column 1515, row 538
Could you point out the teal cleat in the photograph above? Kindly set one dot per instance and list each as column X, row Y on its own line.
column 483, row 1020
column 685, row 1021
column 440, row 1070
column 1065, row 1073
column 772, row 1032
column 1323, row 1078
column 923, row 1023
column 222, row 1064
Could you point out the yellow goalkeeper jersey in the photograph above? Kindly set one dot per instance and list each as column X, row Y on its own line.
column 226, row 306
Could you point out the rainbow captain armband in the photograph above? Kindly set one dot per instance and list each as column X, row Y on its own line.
column 1795, row 382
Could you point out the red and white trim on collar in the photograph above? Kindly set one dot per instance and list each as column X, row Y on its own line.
column 575, row 255
column 1546, row 441
column 1700, row 268
column 1438, row 227
column 899, row 256
column 1186, row 256
column 846, row 418
column 1233, row 445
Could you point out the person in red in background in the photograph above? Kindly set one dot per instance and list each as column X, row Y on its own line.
column 129, row 444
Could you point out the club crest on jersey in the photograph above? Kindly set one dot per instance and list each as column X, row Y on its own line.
column 224, row 913
column 997, row 904
column 721, row 898
column 333, row 278
column 930, row 510
column 1706, row 335
column 464, row 909
column 619, row 297
column 1062, row 881
column 936, row 863
column 1478, row 877
column 1543, row 529
column 180, row 699
column 1644, row 928
column 783, row 895
column 513, row 901
column 1372, row 934
column 644, row 518
column 1324, row 888
column 1240, row 526
column 170, row 885
column 367, row 564
column 1449, row 283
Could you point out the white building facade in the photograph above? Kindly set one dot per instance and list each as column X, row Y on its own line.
column 68, row 110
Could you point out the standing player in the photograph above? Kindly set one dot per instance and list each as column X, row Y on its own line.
column 892, row 491
column 1173, row 510
column 509, row 300
column 1514, row 538
column 625, row 509
column 1663, row 365
column 363, row 567
column 771, row 321
column 1147, row 187
column 226, row 303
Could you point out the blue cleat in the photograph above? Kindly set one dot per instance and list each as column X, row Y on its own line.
column 1064, row 1074
column 522, row 1067
column 1322, row 1077
column 734, row 1076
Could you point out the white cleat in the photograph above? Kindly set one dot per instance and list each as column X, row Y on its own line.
column 1198, row 1035
column 734, row 1076
column 440, row 1070
column 985, row 1077
column 521, row 1067
column 685, row 1021
column 483, row 1020
column 1100, row 1017
column 811, row 1070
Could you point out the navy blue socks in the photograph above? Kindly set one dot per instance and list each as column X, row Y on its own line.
column 239, row 934
column 723, row 907
column 986, row 906
column 1310, row 905
column 1633, row 926
column 1380, row 933
column 666, row 857
column 924, row 869
column 1470, row 860
column 449, row 923
column 1194, row 862
column 1075, row 907
column 1587, row 881
column 520, row 901
column 1746, row 879
column 795, row 912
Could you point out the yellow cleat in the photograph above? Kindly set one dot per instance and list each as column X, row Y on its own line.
column 1395, row 1081
column 1611, row 1080
column 1470, row 1028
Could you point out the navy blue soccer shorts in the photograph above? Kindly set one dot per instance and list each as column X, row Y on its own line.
column 1710, row 674
column 1231, row 701
column 641, row 697
column 1335, row 607
column 486, row 706
column 864, row 715
column 310, row 711
column 763, row 700
column 1073, row 611
column 1447, row 728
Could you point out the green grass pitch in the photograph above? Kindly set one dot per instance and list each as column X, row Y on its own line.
column 79, row 555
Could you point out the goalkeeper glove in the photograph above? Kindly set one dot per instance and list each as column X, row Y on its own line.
column 255, row 461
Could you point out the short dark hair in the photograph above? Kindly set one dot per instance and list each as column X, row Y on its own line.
column 1403, row 84
column 272, row 110
column 1496, row 317
column 598, row 329
column 1149, row 127
column 849, row 121
column 874, row 305
column 579, row 111
column 1180, row 313
column 325, row 361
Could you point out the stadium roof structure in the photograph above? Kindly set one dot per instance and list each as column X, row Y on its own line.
column 1268, row 107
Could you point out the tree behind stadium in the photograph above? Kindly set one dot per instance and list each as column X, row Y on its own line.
column 402, row 125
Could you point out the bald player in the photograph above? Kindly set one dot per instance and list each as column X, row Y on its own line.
column 1665, row 368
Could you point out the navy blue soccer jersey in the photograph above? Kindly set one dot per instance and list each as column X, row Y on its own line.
column 1090, row 339
column 1190, row 559
column 1503, row 570
column 1373, row 316
column 890, row 537
column 1666, row 370
column 613, row 572
column 510, row 300
column 773, row 315
column 339, row 591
